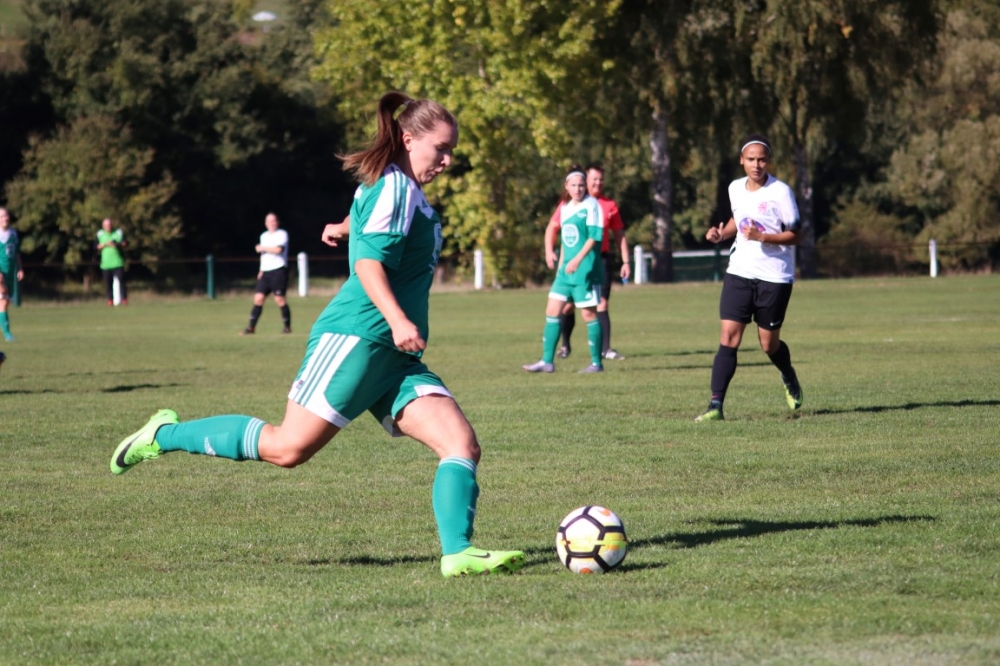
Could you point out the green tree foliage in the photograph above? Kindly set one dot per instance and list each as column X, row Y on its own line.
column 226, row 116
column 88, row 171
column 823, row 66
column 946, row 172
column 518, row 74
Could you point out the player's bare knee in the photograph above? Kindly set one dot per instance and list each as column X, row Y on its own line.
column 290, row 456
column 473, row 451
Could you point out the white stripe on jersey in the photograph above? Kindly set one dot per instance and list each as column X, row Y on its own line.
column 393, row 211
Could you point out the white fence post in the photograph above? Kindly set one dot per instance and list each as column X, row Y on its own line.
column 639, row 262
column 116, row 291
column 303, row 259
column 932, row 250
column 478, row 261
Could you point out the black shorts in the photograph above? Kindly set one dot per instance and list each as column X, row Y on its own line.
column 609, row 270
column 746, row 300
column 275, row 281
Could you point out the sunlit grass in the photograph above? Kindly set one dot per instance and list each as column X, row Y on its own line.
column 864, row 530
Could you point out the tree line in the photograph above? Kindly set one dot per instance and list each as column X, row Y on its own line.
column 187, row 123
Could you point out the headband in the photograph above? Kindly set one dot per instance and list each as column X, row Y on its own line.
column 575, row 173
column 759, row 143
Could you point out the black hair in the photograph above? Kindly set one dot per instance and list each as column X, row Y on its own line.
column 756, row 138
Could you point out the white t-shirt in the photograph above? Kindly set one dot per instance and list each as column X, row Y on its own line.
column 772, row 208
column 269, row 261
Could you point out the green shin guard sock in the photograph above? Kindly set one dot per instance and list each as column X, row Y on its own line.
column 233, row 437
column 550, row 339
column 5, row 324
column 455, row 494
column 595, row 338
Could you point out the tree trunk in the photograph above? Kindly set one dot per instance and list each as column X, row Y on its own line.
column 663, row 261
column 804, row 192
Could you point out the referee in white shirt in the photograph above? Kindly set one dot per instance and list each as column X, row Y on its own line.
column 273, row 274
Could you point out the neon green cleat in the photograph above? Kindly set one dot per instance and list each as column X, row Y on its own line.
column 477, row 561
column 141, row 445
column 793, row 396
column 713, row 413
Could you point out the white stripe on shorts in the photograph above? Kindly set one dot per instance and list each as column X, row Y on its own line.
column 310, row 388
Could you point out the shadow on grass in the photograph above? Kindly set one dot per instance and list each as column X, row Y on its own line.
column 657, row 354
column 125, row 388
column 877, row 409
column 703, row 366
column 368, row 561
column 743, row 528
column 38, row 392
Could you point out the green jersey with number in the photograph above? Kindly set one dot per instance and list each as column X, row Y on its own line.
column 581, row 222
column 9, row 247
column 392, row 223
column 111, row 255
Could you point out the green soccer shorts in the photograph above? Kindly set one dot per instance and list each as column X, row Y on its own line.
column 583, row 296
column 342, row 376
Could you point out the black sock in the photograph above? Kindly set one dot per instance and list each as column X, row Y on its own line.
column 782, row 360
column 605, row 320
column 723, row 369
column 255, row 315
column 566, row 324
column 286, row 315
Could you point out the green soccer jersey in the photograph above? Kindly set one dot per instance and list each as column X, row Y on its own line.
column 9, row 248
column 391, row 222
column 580, row 222
column 111, row 256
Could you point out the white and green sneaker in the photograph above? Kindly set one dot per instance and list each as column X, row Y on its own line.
column 141, row 445
column 473, row 561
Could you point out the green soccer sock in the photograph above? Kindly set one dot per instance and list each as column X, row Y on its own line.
column 5, row 324
column 455, row 494
column 233, row 437
column 550, row 338
column 595, row 338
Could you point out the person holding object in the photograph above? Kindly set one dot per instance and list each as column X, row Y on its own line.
column 273, row 274
column 758, row 282
column 364, row 351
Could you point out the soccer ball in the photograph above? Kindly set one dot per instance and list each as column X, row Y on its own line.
column 591, row 539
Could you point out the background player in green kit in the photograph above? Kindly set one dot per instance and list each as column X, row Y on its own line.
column 580, row 226
column 110, row 243
column 10, row 269
column 364, row 351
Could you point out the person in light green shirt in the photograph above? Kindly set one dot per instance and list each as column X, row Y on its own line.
column 110, row 243
column 364, row 351
column 10, row 269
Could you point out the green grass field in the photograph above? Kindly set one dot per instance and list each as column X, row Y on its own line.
column 865, row 531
